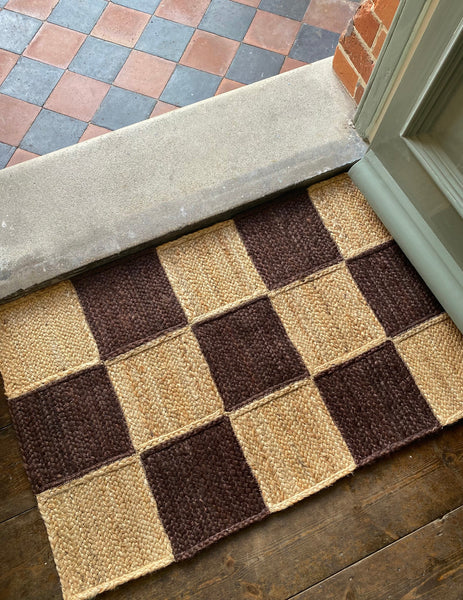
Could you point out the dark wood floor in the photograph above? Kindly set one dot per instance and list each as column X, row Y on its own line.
column 392, row 530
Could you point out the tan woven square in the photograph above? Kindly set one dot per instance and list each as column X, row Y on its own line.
column 43, row 336
column 165, row 388
column 292, row 445
column 434, row 356
column 347, row 215
column 104, row 528
column 327, row 318
column 210, row 269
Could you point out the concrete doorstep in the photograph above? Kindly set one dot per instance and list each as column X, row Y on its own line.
column 151, row 181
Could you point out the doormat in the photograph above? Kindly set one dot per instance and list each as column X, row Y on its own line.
column 168, row 399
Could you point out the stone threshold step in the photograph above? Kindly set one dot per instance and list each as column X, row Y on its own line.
column 151, row 181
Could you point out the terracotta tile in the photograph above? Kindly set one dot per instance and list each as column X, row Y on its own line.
column 77, row 96
column 93, row 131
column 145, row 74
column 7, row 62
column 188, row 12
column 34, row 8
column 290, row 64
column 359, row 92
column 55, row 45
column 272, row 32
column 16, row 116
column 121, row 25
column 254, row 3
column 333, row 15
column 20, row 156
column 226, row 85
column 161, row 108
column 209, row 52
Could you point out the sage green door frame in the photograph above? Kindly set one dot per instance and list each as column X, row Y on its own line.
column 407, row 176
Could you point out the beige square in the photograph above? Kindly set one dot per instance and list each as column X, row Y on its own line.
column 210, row 269
column 165, row 388
column 43, row 337
column 347, row 215
column 434, row 356
column 104, row 529
column 292, row 446
column 327, row 318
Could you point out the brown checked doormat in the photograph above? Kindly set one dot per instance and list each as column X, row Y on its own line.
column 168, row 399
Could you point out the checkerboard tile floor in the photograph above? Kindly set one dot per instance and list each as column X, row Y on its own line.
column 71, row 70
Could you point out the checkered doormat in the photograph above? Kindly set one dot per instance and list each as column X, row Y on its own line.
column 168, row 399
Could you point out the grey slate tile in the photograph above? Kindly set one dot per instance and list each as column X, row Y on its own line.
column 188, row 85
column 294, row 9
column 122, row 107
column 80, row 15
column 16, row 30
column 31, row 80
column 99, row 59
column 313, row 43
column 2, row 3
column 253, row 64
column 165, row 38
column 6, row 152
column 51, row 131
column 148, row 6
column 227, row 18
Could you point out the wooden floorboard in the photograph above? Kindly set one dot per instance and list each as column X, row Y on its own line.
column 15, row 490
column 425, row 565
column 5, row 418
column 277, row 558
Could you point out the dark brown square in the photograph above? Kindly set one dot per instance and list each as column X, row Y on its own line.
column 287, row 239
column 396, row 293
column 203, row 486
column 375, row 402
column 249, row 353
column 70, row 427
column 128, row 302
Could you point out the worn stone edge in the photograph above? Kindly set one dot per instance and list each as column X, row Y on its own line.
column 353, row 148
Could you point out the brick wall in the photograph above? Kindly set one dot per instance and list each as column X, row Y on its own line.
column 361, row 42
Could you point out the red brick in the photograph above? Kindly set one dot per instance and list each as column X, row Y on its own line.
column 359, row 92
column 358, row 55
column 379, row 43
column 385, row 11
column 366, row 23
column 345, row 71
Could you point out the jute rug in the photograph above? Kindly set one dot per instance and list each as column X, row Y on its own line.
column 168, row 399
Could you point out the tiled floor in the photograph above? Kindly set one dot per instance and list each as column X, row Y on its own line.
column 73, row 69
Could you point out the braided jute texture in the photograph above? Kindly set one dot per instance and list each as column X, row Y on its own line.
column 168, row 399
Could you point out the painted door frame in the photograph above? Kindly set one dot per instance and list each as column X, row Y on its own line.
column 401, row 175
